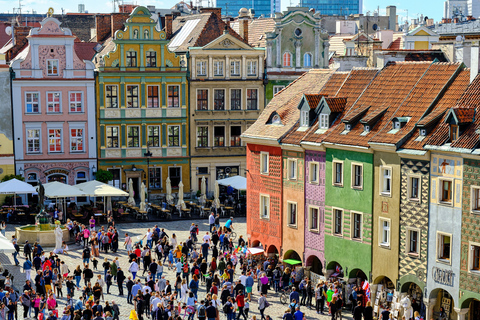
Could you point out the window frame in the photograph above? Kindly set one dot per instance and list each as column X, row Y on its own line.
column 381, row 230
column 322, row 119
column 149, row 58
column 113, row 137
column 287, row 56
column 59, row 102
column 153, row 101
column 236, row 98
column 317, row 178
column 354, row 175
column 408, row 241
column 179, row 168
column 383, row 180
column 334, row 173
column 235, row 141
column 471, row 257
column 410, row 197
column 131, row 61
column 72, row 138
column 250, row 100
column 218, row 68
column 262, row 162
column 310, row 219
column 290, row 205
column 262, row 205
column 474, row 209
column 352, row 225
column 56, row 139
column 51, row 73
column 39, row 139
column 112, row 97
column 439, row 248
column 218, row 141
column 200, row 137
column 201, row 68
column 154, row 178
column 233, row 68
column 133, row 97
column 152, row 136
column 133, row 137
column 173, row 136
column 334, row 221
column 310, row 60
column 277, row 89
column 75, row 102
column 203, row 99
column 440, row 190
column 292, row 163
column 38, row 103
column 173, row 96
column 252, row 65
column 216, row 99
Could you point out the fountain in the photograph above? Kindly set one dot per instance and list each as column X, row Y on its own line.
column 43, row 231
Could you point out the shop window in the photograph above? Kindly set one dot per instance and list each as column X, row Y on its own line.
column 116, row 177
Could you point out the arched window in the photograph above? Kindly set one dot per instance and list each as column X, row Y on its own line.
column 287, row 59
column 307, row 60
column 145, row 34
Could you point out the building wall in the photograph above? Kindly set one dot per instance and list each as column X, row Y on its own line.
column 315, row 197
column 266, row 231
column 293, row 192
column 385, row 258
column 6, row 132
column 414, row 216
column 349, row 253
column 445, row 218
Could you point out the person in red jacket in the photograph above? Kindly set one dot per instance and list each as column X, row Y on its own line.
column 240, row 300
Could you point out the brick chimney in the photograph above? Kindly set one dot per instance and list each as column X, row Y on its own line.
column 216, row 11
column 243, row 28
column 103, row 26
column 168, row 25
column 20, row 34
column 118, row 20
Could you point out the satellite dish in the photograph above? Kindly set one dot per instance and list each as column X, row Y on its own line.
column 8, row 30
column 375, row 27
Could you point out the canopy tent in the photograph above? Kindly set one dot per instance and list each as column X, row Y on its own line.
column 96, row 188
column 15, row 186
column 292, row 261
column 236, row 182
column 255, row 250
column 58, row 190
column 5, row 245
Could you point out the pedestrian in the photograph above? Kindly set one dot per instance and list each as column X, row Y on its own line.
column 262, row 305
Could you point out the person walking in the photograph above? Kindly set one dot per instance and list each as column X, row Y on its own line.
column 262, row 305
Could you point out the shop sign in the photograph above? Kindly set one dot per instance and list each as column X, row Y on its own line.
column 443, row 276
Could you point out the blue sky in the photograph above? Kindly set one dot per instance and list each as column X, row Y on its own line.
column 432, row 9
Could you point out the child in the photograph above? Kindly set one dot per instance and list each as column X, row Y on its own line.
column 95, row 263
column 247, row 308
column 65, row 248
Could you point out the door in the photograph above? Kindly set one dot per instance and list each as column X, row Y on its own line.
column 136, row 189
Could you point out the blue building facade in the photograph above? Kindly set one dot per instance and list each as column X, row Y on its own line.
column 267, row 8
column 331, row 7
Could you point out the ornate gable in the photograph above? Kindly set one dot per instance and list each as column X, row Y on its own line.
column 227, row 42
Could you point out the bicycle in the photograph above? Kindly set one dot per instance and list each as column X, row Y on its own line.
column 285, row 295
column 232, row 236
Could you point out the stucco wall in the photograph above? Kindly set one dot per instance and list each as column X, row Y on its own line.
column 5, row 106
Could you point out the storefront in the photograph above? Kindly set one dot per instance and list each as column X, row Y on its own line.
column 385, row 296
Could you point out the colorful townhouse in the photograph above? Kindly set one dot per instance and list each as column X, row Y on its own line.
column 53, row 94
column 142, row 95
column 265, row 172
column 7, row 165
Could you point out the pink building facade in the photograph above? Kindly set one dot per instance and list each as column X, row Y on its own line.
column 53, row 108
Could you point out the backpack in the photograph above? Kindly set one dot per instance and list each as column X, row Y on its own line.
column 201, row 312
column 197, row 272
column 185, row 269
column 302, row 285
column 226, row 308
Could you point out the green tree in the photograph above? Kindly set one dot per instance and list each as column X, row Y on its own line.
column 12, row 176
column 104, row 176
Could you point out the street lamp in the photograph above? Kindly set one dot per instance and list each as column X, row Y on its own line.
column 148, row 154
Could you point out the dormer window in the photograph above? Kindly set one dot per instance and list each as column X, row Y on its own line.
column 366, row 128
column 423, row 132
column 453, row 132
column 304, row 121
column 348, row 126
column 323, row 121
column 396, row 124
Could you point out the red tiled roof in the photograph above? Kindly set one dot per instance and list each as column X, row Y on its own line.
column 395, row 45
column 372, row 117
column 84, row 50
column 334, row 83
column 336, row 104
column 313, row 99
column 464, row 114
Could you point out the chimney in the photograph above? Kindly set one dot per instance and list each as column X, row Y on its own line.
column 216, row 11
column 118, row 20
column 103, row 26
column 20, row 34
column 243, row 28
column 168, row 25
column 475, row 56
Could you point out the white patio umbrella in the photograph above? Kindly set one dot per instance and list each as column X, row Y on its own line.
column 204, row 189
column 236, row 182
column 142, row 197
column 96, row 188
column 5, row 245
column 169, row 190
column 180, row 194
column 131, row 200
column 216, row 200
column 58, row 190
column 14, row 186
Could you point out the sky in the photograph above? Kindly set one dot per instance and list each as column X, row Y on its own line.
column 432, row 9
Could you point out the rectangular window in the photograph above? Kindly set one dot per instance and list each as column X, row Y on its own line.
column 277, row 89
column 111, row 96
column 313, row 172
column 202, row 99
column 76, row 101
column 53, row 102
column 236, row 99
column 154, row 136
column 357, row 176
column 32, row 102
column 218, row 136
column 132, row 96
column 414, row 188
column 151, row 60
column 323, row 121
column 174, row 136
column 413, row 244
column 264, row 159
column 131, row 59
column 386, row 180
column 252, row 101
column 385, row 232
column 264, row 207
column 219, row 99
column 475, row 257
column 337, row 173
column 133, row 137
column 33, row 140
column 314, row 219
column 52, row 67
column 201, row 68
column 173, row 96
column 356, row 225
column 251, row 67
column 475, row 198
column 292, row 213
column 443, row 246
column 175, row 174
column 152, row 97
column 292, row 169
column 155, row 178
column 54, row 140
column 116, row 177
column 446, row 191
column 235, row 133
column 76, row 140
column 202, row 137
column 453, row 132
column 218, row 68
column 337, row 220
column 235, row 68
column 304, row 119
column 112, row 137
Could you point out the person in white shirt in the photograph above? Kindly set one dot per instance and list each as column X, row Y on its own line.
column 148, row 235
column 243, row 278
column 211, row 221
column 206, row 238
column 154, row 301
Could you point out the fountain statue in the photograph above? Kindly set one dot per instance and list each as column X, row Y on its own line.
column 42, row 219
column 58, row 239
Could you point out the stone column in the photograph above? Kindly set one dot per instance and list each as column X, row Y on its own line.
column 210, row 67
column 260, row 67
column 279, row 48
column 227, row 67
column 429, row 304
column 461, row 313
column 244, row 67
column 317, row 48
column 193, row 68
column 298, row 54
